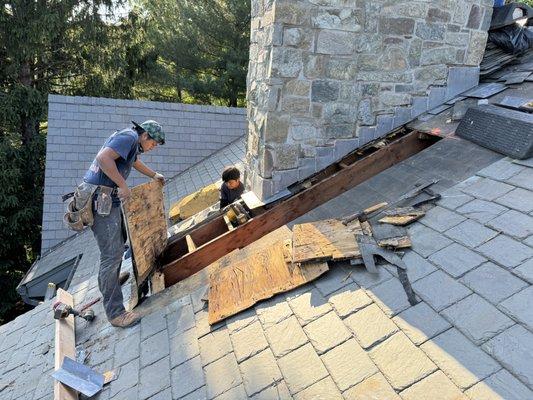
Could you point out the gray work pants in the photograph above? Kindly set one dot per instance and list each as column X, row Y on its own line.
column 108, row 233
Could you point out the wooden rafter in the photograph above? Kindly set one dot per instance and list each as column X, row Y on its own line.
column 326, row 185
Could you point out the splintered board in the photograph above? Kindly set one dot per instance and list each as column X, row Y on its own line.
column 147, row 227
column 257, row 277
column 324, row 240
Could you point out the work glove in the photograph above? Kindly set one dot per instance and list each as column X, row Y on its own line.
column 159, row 177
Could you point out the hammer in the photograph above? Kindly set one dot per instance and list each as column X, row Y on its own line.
column 62, row 310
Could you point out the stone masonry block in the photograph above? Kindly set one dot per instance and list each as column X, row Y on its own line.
column 401, row 362
column 421, row 323
column 437, row 385
column 302, row 368
column 470, row 233
column 248, row 341
column 506, row 251
column 340, row 363
column 370, row 326
column 456, row 259
column 463, row 362
column 439, row 290
column 326, row 332
column 493, row 282
column 477, row 319
column 519, row 306
column 285, row 336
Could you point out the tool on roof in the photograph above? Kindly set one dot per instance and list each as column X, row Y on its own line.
column 79, row 377
column 365, row 214
column 62, row 310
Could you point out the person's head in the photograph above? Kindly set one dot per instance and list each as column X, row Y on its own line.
column 150, row 134
column 231, row 177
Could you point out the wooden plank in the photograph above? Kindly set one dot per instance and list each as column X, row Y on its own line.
column 190, row 243
column 228, row 223
column 323, row 240
column 401, row 216
column 65, row 346
column 147, row 227
column 258, row 277
column 295, row 206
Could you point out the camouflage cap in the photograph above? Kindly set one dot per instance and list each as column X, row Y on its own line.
column 154, row 130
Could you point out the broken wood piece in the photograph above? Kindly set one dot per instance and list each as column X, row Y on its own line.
column 111, row 375
column 146, row 225
column 158, row 282
column 365, row 214
column 323, row 240
column 228, row 223
column 190, row 243
column 401, row 216
column 65, row 346
column 257, row 277
column 402, row 242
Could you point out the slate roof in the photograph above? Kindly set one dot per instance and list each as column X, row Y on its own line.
column 471, row 334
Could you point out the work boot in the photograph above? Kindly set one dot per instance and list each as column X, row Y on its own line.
column 123, row 277
column 125, row 319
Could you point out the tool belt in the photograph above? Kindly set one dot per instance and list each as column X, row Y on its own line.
column 80, row 207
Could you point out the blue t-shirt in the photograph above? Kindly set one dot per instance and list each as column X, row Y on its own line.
column 126, row 145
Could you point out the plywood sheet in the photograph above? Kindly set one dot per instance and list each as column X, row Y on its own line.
column 147, row 227
column 257, row 277
column 324, row 240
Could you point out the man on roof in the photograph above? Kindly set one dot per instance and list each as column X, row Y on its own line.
column 108, row 173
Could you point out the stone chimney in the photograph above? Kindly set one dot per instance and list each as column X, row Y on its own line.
column 327, row 76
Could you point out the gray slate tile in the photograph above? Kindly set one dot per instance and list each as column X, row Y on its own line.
column 183, row 347
column 214, row 345
column 463, row 362
column 453, row 198
column 456, row 259
column 481, row 210
column 477, row 319
column 259, row 372
column 514, row 350
column 426, row 241
column 435, row 386
column 439, row 290
column 523, row 179
column 321, row 390
column 390, row 296
column 154, row 378
column 326, row 332
column 248, row 341
column 470, row 233
column 367, row 280
column 519, row 199
column 154, row 348
column 332, row 281
column 506, row 251
column 285, row 336
column 370, row 326
column 417, row 266
column 302, row 368
column 493, row 282
column 501, row 385
column 513, row 223
column 222, row 375
column 309, row 306
column 341, row 360
column 441, row 219
column 501, row 170
column 525, row 271
column 375, row 386
column 187, row 378
column 348, row 300
column 488, row 189
column 520, row 307
column 421, row 323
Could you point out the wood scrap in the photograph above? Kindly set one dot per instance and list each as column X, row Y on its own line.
column 323, row 240
column 390, row 236
column 65, row 345
column 257, row 277
column 365, row 214
column 146, row 225
column 401, row 216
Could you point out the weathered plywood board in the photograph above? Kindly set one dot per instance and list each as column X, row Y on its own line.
column 324, row 240
column 65, row 346
column 259, row 276
column 147, row 227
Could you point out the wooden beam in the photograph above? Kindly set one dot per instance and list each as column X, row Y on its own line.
column 228, row 223
column 65, row 346
column 293, row 207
